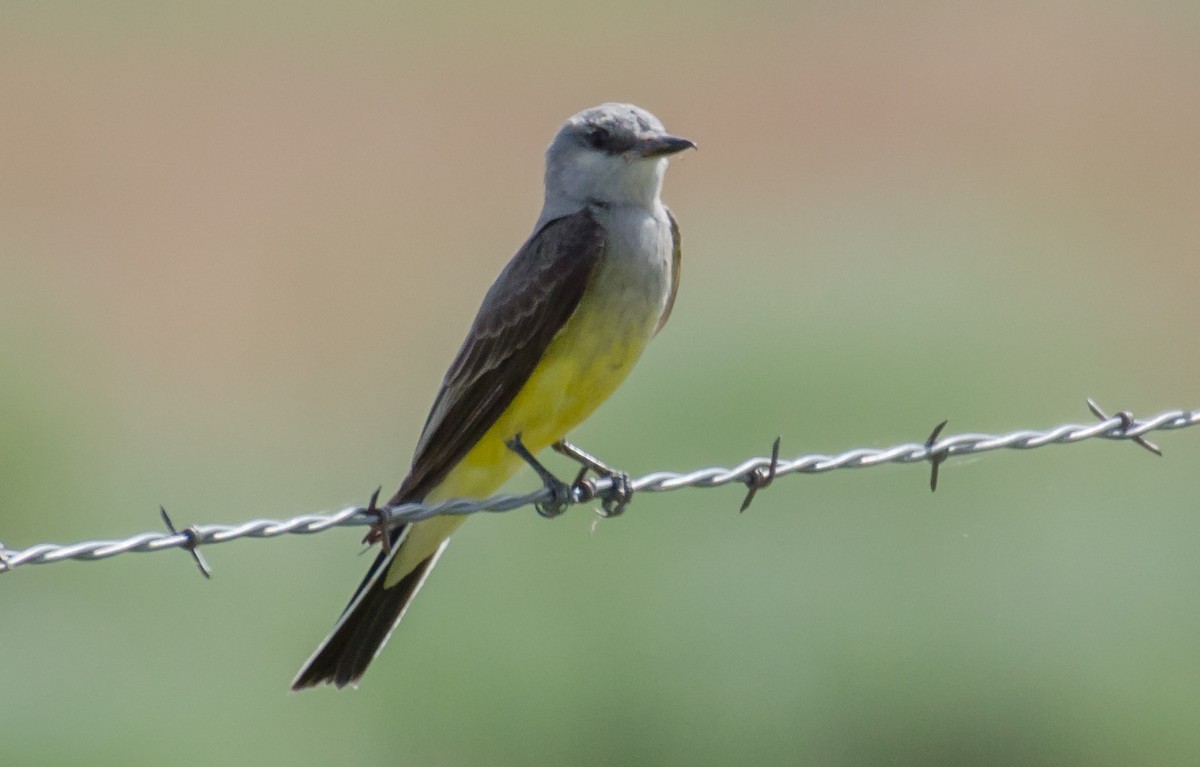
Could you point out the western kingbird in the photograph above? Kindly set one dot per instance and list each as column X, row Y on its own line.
column 557, row 332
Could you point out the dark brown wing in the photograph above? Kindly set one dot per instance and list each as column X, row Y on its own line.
column 528, row 304
column 676, row 265
column 524, row 309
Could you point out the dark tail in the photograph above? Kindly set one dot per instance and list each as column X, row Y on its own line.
column 365, row 625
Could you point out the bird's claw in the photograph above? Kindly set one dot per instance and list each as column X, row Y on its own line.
column 561, row 494
column 615, row 497
column 618, row 495
column 560, row 498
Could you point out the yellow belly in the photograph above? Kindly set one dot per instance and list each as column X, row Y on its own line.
column 583, row 364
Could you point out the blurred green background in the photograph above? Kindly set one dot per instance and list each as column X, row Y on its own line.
column 240, row 243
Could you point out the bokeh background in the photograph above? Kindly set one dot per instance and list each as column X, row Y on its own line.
column 239, row 243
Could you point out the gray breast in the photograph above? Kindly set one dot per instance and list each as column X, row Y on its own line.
column 636, row 276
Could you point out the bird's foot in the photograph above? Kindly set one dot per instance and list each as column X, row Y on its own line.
column 615, row 497
column 561, row 494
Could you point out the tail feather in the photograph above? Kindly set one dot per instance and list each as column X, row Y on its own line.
column 365, row 625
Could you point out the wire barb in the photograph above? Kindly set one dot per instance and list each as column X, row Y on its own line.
column 1127, row 421
column 761, row 476
column 936, row 457
column 378, row 532
column 191, row 541
column 1116, row 428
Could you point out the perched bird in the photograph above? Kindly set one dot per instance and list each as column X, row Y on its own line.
column 558, row 331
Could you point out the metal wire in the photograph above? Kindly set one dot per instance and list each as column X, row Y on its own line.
column 755, row 473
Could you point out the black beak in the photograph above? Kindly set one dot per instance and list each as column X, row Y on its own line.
column 661, row 146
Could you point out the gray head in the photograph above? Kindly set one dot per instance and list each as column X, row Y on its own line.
column 613, row 154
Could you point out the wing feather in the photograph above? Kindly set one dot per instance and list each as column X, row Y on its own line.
column 676, row 265
column 527, row 305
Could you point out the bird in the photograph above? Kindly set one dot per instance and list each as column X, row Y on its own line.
column 559, row 329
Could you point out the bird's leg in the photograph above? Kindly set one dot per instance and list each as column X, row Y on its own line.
column 560, row 492
column 613, row 500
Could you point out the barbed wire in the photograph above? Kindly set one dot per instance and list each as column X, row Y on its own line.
column 613, row 491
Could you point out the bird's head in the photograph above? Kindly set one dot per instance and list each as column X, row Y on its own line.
column 613, row 154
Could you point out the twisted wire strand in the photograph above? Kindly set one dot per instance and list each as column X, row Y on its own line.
column 753, row 472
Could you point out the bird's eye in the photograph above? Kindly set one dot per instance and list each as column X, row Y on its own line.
column 597, row 138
